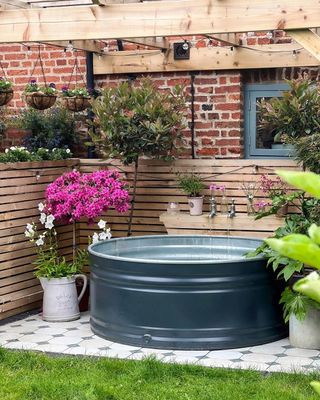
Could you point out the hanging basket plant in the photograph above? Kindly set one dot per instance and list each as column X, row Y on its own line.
column 75, row 100
column 39, row 97
column 6, row 92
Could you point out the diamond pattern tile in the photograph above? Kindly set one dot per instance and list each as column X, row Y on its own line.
column 30, row 332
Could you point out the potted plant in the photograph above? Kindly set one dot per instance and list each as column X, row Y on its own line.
column 192, row 185
column 69, row 198
column 6, row 92
column 138, row 120
column 40, row 97
column 294, row 115
column 76, row 100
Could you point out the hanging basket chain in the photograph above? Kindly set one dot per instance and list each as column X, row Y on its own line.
column 39, row 59
column 3, row 71
column 76, row 70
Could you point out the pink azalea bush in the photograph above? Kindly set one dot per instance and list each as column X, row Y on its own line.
column 73, row 195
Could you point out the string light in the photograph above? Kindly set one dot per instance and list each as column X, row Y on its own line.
column 193, row 43
column 269, row 35
column 210, row 44
column 294, row 54
column 231, row 48
column 70, row 45
column 29, row 51
column 105, row 50
column 185, row 45
column 64, row 53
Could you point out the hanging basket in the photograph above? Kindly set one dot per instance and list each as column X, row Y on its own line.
column 76, row 103
column 5, row 97
column 40, row 101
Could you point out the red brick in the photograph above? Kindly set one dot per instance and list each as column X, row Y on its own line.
column 207, row 151
column 228, row 106
column 227, row 89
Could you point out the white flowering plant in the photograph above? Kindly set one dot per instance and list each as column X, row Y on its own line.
column 49, row 263
column 21, row 153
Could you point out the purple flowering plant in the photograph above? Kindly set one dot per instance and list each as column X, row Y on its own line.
column 33, row 87
column 73, row 195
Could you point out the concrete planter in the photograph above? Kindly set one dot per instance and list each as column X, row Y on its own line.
column 305, row 334
column 196, row 205
column 60, row 299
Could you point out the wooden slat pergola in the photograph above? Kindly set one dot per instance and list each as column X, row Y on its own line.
column 152, row 23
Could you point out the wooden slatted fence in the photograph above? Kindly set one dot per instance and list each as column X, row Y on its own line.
column 157, row 185
column 22, row 187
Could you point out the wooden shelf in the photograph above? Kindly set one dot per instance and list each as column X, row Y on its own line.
column 240, row 225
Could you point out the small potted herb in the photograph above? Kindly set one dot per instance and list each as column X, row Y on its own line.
column 76, row 100
column 192, row 185
column 6, row 92
column 40, row 97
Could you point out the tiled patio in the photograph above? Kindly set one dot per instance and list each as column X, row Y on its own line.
column 76, row 338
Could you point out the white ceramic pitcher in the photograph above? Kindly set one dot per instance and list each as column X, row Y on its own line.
column 60, row 298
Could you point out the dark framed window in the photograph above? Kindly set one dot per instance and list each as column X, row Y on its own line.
column 260, row 144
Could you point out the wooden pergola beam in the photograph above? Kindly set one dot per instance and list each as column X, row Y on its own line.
column 156, row 42
column 156, row 18
column 307, row 39
column 15, row 3
column 217, row 58
column 85, row 45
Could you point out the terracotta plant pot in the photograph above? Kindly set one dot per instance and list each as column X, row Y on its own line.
column 283, row 211
column 76, row 104
column 5, row 97
column 195, row 204
column 40, row 101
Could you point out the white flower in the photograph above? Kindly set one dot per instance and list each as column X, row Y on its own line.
column 68, row 151
column 41, row 207
column 43, row 218
column 102, row 236
column 12, row 148
column 108, row 232
column 102, row 224
column 95, row 238
column 50, row 218
column 54, row 149
column 6, row 150
column 30, row 227
column 40, row 242
column 29, row 234
column 48, row 225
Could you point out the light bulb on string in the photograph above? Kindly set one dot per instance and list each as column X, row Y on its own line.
column 294, row 54
column 269, row 35
column 105, row 50
column 185, row 45
column 193, row 43
column 64, row 53
column 70, row 46
column 29, row 51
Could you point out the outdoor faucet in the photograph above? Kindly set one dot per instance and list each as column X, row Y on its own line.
column 232, row 209
column 213, row 207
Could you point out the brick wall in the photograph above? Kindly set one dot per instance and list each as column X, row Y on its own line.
column 218, row 105
column 18, row 64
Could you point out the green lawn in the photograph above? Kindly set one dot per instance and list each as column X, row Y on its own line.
column 32, row 376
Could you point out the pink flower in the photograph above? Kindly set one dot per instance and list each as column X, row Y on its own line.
column 73, row 195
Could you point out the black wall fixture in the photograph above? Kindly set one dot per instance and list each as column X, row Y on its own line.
column 181, row 50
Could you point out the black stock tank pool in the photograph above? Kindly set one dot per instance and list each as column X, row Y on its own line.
column 183, row 292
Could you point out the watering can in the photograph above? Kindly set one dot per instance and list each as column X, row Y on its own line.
column 60, row 298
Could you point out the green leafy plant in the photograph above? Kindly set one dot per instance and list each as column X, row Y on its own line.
column 52, row 128
column 296, row 304
column 20, row 154
column 5, row 84
column 135, row 120
column 295, row 114
column 33, row 87
column 76, row 92
column 307, row 152
column 191, row 184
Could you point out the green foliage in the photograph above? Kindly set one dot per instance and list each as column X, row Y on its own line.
column 296, row 304
column 20, row 154
column 294, row 115
column 5, row 84
column 191, row 184
column 307, row 181
column 35, row 376
column 76, row 92
column 277, row 202
column 309, row 286
column 316, row 386
column 52, row 128
column 138, row 120
column 33, row 87
column 307, row 152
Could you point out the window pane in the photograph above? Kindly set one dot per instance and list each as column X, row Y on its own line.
column 264, row 138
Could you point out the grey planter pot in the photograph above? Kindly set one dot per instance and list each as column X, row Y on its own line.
column 305, row 334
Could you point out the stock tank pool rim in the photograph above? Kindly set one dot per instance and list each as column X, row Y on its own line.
column 199, row 304
column 153, row 261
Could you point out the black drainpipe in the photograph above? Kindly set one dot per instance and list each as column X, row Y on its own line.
column 192, row 91
column 90, row 87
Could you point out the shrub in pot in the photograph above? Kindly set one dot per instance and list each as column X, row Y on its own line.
column 135, row 120
column 192, row 185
